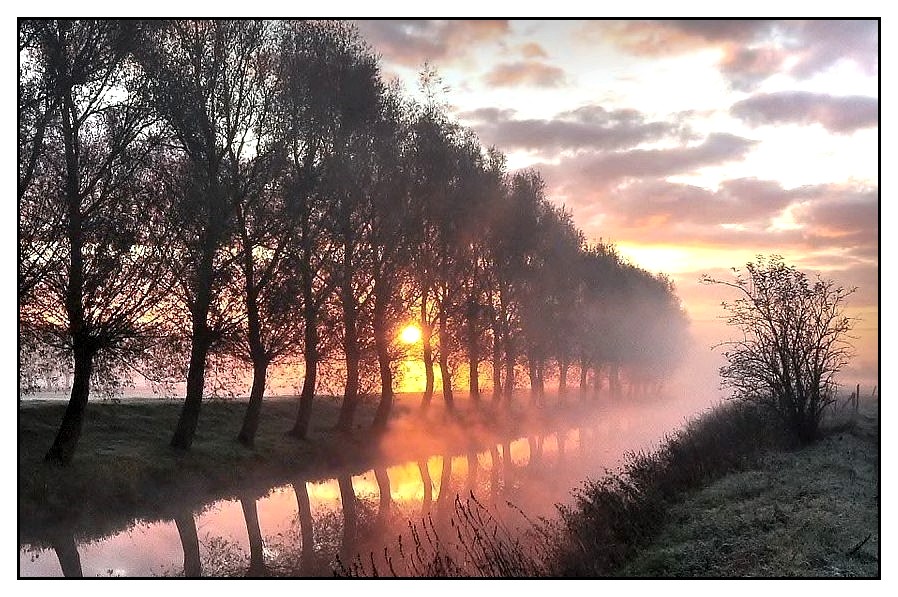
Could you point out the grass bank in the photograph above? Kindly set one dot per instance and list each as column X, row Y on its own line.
column 731, row 496
column 124, row 468
column 813, row 512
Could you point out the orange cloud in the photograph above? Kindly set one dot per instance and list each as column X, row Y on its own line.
column 752, row 50
column 413, row 42
column 526, row 73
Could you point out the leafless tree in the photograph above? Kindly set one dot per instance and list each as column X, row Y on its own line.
column 794, row 341
column 94, row 244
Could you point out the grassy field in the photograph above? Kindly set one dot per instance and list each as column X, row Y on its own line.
column 125, row 467
column 812, row 512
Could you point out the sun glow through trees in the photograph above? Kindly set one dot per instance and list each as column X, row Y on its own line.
column 410, row 334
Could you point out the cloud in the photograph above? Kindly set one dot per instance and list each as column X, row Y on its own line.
column 746, row 201
column 413, row 42
column 533, row 50
column 602, row 169
column 754, row 50
column 844, row 114
column 849, row 215
column 746, row 68
column 663, row 37
column 588, row 127
column 831, row 219
column 821, row 43
column 525, row 73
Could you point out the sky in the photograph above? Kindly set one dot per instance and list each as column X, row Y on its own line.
column 693, row 146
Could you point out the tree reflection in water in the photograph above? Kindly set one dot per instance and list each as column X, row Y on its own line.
column 335, row 529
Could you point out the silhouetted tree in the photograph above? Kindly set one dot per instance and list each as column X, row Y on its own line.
column 90, row 274
column 204, row 80
column 794, row 341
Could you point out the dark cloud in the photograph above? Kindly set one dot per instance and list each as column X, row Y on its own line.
column 412, row 42
column 530, row 73
column 756, row 49
column 746, row 68
column 840, row 212
column 603, row 169
column 587, row 127
column 843, row 114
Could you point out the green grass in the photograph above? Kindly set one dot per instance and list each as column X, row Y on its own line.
column 124, row 466
column 813, row 512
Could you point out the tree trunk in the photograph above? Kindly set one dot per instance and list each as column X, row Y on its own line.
column 351, row 392
column 190, row 413
column 473, row 362
column 306, row 398
column 201, row 336
column 63, row 449
column 497, row 370
column 584, row 372
column 533, row 372
column 509, row 373
column 247, row 435
column 190, row 544
column 445, row 374
column 256, row 552
column 382, row 347
column 614, row 379
column 67, row 553
column 428, row 371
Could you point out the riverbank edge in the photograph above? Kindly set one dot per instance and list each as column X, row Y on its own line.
column 731, row 495
column 124, row 468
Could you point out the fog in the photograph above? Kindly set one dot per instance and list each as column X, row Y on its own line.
column 519, row 472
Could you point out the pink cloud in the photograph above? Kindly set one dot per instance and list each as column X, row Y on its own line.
column 755, row 49
column 415, row 41
column 525, row 73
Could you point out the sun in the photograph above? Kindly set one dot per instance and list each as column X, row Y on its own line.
column 410, row 334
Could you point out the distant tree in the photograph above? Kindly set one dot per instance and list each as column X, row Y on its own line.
column 794, row 341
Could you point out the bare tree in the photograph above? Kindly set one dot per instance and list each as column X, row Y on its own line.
column 92, row 259
column 794, row 341
column 204, row 84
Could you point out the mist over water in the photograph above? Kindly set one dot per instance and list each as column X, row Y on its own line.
column 303, row 527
